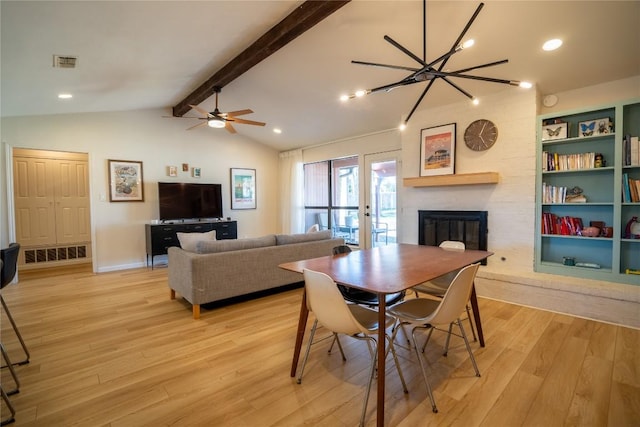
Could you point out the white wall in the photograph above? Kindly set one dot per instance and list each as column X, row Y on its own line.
column 511, row 202
column 118, row 228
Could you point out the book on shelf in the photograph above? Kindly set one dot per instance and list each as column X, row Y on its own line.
column 631, row 150
column 630, row 189
column 564, row 162
column 565, row 225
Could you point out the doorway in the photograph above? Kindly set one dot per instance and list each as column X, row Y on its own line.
column 380, row 199
column 52, row 208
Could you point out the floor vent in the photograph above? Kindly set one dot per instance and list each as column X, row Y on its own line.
column 62, row 253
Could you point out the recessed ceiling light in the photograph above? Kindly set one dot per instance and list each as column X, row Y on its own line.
column 552, row 44
column 277, row 130
column 65, row 96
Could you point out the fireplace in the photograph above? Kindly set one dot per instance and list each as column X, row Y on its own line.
column 469, row 227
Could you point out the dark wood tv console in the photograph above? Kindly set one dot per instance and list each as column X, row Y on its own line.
column 160, row 237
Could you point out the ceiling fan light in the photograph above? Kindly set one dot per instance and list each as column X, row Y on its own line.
column 475, row 101
column 402, row 126
column 344, row 98
column 525, row 85
column 360, row 93
column 215, row 123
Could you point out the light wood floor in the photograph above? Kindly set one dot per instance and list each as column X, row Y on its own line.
column 113, row 350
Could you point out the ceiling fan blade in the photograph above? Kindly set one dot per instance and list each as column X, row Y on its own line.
column 200, row 110
column 464, row 92
column 419, row 100
column 405, row 50
column 239, row 112
column 404, row 82
column 248, row 122
column 489, row 64
column 229, row 127
column 198, row 125
column 461, row 36
column 397, row 67
column 467, row 76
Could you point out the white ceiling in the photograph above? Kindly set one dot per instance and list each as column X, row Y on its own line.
column 152, row 54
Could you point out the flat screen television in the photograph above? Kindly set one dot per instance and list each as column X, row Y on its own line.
column 181, row 200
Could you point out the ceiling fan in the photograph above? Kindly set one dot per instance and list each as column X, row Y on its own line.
column 218, row 119
column 432, row 71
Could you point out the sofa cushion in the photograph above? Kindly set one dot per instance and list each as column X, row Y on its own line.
column 210, row 247
column 188, row 241
column 287, row 239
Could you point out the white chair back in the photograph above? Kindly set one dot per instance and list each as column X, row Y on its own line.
column 326, row 302
column 452, row 244
column 314, row 228
column 456, row 298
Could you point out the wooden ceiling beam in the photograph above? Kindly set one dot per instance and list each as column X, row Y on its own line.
column 297, row 22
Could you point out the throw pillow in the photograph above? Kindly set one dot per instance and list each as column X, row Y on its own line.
column 188, row 241
column 287, row 239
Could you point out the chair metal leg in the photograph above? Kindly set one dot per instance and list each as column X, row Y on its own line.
column 15, row 328
column 374, row 359
column 306, row 354
column 11, row 418
column 473, row 329
column 424, row 371
column 336, row 339
column 466, row 343
column 397, row 362
column 5, row 356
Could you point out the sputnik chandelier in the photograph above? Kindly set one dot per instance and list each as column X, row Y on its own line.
column 432, row 71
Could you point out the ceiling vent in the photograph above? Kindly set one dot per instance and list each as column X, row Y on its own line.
column 65, row 61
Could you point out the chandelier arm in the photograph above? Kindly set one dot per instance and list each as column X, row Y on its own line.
column 464, row 92
column 419, row 100
column 444, row 57
column 397, row 67
column 467, row 76
column 461, row 36
column 403, row 82
column 405, row 50
column 490, row 64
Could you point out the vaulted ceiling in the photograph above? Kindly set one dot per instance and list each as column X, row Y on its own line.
column 153, row 54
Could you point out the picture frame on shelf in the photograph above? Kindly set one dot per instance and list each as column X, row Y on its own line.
column 243, row 188
column 125, row 181
column 437, row 150
column 595, row 127
column 555, row 131
column 196, row 172
column 172, row 170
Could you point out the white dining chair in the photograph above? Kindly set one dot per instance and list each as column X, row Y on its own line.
column 332, row 312
column 424, row 313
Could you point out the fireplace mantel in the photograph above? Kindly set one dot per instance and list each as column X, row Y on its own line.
column 456, row 179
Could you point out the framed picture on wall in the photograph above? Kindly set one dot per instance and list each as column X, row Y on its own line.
column 243, row 188
column 438, row 150
column 125, row 181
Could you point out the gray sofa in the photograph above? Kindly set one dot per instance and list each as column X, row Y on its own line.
column 220, row 269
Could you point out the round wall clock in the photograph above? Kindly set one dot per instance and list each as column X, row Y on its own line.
column 480, row 135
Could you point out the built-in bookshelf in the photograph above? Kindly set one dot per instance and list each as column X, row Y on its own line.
column 584, row 176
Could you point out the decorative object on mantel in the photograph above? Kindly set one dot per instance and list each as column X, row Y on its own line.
column 125, row 181
column 438, row 150
column 451, row 180
column 172, row 170
column 480, row 135
column 185, row 167
column 243, row 188
column 434, row 70
column 196, row 172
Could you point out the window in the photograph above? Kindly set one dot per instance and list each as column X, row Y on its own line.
column 332, row 195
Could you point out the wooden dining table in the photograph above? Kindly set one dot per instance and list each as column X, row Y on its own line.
column 385, row 270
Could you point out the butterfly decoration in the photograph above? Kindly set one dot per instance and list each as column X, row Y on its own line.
column 554, row 132
column 587, row 128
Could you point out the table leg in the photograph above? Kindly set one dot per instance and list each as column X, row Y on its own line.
column 302, row 326
column 476, row 315
column 382, row 346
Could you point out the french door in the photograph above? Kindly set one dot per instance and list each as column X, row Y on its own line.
column 380, row 199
